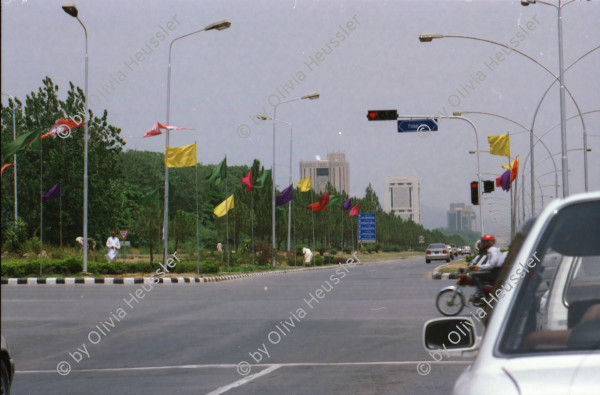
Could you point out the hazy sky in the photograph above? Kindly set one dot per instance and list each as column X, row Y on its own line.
column 359, row 55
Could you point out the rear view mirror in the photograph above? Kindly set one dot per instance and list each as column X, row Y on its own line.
column 450, row 334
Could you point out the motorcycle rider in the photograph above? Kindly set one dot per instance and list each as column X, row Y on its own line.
column 487, row 264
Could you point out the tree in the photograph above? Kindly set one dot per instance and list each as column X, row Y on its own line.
column 182, row 226
column 149, row 225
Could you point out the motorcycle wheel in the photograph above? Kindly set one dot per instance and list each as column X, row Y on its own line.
column 449, row 303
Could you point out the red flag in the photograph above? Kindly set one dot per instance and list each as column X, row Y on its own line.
column 61, row 126
column 4, row 167
column 498, row 182
column 156, row 129
column 514, row 169
column 354, row 211
column 247, row 181
column 316, row 207
column 324, row 199
column 153, row 131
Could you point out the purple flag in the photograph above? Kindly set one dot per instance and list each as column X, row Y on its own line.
column 347, row 205
column 285, row 196
column 53, row 193
column 505, row 181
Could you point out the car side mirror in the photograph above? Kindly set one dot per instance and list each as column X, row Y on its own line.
column 455, row 335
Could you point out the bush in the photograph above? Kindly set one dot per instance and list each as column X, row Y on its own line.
column 347, row 250
column 469, row 258
column 386, row 248
column 333, row 251
column 321, row 251
column 264, row 252
column 15, row 235
column 377, row 247
column 318, row 260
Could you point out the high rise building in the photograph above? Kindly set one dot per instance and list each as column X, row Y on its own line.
column 334, row 170
column 403, row 197
column 461, row 216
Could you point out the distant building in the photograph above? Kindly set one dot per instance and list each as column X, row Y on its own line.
column 403, row 197
column 461, row 216
column 334, row 170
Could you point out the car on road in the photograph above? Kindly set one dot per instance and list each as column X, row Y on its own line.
column 543, row 331
column 466, row 250
column 437, row 251
column 457, row 250
column 7, row 368
column 449, row 247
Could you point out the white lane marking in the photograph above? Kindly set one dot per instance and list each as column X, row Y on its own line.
column 227, row 366
column 379, row 308
column 245, row 380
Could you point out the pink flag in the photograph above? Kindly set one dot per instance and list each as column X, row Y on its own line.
column 62, row 125
column 354, row 211
column 247, row 181
column 156, row 129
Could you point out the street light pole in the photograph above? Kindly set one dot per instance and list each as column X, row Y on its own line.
column 310, row 96
column 15, row 155
column 218, row 25
column 71, row 9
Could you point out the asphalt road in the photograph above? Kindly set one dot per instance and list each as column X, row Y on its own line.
column 352, row 330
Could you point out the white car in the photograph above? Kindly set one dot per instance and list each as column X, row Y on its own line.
column 466, row 250
column 543, row 332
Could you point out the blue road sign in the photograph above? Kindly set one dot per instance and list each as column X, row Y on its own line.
column 418, row 125
column 366, row 227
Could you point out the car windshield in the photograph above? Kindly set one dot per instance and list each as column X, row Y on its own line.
column 558, row 306
column 433, row 246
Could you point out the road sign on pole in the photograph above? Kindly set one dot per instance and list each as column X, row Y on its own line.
column 366, row 228
column 123, row 233
column 418, row 125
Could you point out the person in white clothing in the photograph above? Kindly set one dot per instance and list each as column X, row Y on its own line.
column 114, row 245
column 488, row 264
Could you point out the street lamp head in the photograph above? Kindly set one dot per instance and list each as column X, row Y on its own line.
column 425, row 38
column 457, row 113
column 472, row 152
column 262, row 116
column 219, row 25
column 70, row 8
column 311, row 96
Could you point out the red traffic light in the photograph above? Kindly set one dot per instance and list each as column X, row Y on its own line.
column 382, row 115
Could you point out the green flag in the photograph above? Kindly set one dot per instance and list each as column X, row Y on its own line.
column 150, row 197
column 219, row 172
column 336, row 201
column 262, row 179
column 20, row 143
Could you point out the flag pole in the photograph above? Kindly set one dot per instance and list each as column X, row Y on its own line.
column 60, row 216
column 252, row 222
column 227, row 213
column 295, row 240
column 197, row 223
column 41, row 205
column 312, row 211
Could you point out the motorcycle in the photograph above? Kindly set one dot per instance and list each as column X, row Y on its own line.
column 451, row 300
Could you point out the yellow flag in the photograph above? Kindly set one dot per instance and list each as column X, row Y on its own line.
column 181, row 156
column 304, row 184
column 224, row 207
column 500, row 145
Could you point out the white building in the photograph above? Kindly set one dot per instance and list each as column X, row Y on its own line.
column 403, row 197
column 334, row 169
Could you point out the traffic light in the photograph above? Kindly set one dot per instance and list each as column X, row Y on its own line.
column 382, row 115
column 474, row 193
column 488, row 186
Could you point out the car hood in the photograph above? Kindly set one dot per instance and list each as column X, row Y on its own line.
column 554, row 374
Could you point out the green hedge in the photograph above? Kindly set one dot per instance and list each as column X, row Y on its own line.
column 70, row 266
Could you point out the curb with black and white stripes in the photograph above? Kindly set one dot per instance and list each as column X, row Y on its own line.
column 146, row 280
column 436, row 275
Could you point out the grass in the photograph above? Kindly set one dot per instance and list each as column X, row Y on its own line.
column 453, row 266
